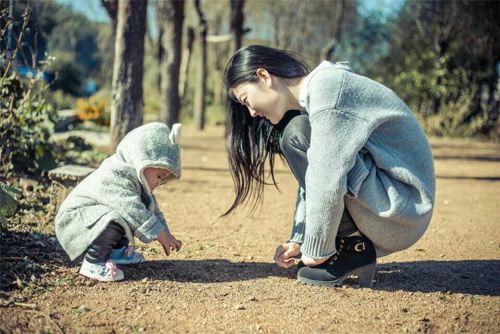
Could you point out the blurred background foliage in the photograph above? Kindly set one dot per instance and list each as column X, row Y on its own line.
column 35, row 85
column 444, row 61
column 441, row 57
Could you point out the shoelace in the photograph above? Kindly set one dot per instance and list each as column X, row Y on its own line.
column 129, row 251
column 111, row 267
column 335, row 256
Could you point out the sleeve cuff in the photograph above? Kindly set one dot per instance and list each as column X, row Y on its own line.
column 318, row 248
column 149, row 231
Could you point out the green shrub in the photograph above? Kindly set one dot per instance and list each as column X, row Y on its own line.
column 59, row 100
column 455, row 120
column 26, row 119
column 8, row 203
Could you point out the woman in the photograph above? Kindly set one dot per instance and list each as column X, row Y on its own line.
column 363, row 163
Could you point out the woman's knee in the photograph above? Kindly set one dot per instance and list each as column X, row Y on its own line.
column 296, row 135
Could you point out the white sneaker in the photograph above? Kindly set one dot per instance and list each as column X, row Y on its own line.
column 103, row 271
column 126, row 255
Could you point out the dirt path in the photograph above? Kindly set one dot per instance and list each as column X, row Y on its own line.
column 224, row 279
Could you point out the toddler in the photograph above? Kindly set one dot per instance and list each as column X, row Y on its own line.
column 115, row 203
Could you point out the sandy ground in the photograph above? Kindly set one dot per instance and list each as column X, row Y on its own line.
column 224, row 279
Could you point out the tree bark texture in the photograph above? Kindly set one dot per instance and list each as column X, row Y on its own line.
column 127, row 101
column 160, row 17
column 186, row 61
column 201, row 82
column 111, row 7
column 237, row 20
column 171, row 46
column 329, row 49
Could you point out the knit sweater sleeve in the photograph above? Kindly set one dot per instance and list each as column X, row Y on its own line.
column 336, row 138
column 299, row 218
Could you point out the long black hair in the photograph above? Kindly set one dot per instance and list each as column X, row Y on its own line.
column 252, row 141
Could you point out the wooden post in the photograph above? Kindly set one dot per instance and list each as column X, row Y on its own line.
column 63, row 180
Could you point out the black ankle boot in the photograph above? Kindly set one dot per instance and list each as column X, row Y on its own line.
column 355, row 256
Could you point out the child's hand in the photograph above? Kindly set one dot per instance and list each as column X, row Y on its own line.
column 169, row 242
column 285, row 254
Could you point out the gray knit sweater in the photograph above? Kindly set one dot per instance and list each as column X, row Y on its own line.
column 117, row 191
column 367, row 153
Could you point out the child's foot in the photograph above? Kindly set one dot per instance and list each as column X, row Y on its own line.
column 103, row 271
column 126, row 255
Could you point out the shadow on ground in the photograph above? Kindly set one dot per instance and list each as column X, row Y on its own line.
column 467, row 158
column 23, row 254
column 476, row 277
column 205, row 271
column 468, row 178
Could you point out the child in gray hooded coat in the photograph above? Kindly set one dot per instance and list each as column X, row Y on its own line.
column 115, row 203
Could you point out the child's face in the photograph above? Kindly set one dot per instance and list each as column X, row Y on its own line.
column 156, row 176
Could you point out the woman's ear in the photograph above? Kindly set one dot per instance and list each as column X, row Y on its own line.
column 264, row 76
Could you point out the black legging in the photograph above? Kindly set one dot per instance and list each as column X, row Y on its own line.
column 113, row 236
column 294, row 143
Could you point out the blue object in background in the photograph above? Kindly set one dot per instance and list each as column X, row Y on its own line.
column 31, row 72
column 90, row 87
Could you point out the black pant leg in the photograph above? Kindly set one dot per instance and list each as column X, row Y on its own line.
column 123, row 242
column 100, row 249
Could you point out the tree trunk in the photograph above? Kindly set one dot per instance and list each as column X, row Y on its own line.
column 186, row 61
column 160, row 17
column 237, row 19
column 127, row 101
column 493, row 103
column 300, row 27
column 199, row 103
column 111, row 7
column 276, row 24
column 329, row 49
column 171, row 46
column 221, row 54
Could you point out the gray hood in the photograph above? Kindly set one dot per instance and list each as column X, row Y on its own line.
column 152, row 145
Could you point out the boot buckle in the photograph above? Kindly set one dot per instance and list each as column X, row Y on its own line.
column 359, row 247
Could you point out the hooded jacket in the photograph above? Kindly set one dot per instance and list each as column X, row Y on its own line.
column 118, row 192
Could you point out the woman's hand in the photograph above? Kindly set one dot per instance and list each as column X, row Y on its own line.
column 169, row 242
column 285, row 254
column 312, row 262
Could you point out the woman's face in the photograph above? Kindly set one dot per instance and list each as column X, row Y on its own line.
column 263, row 98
